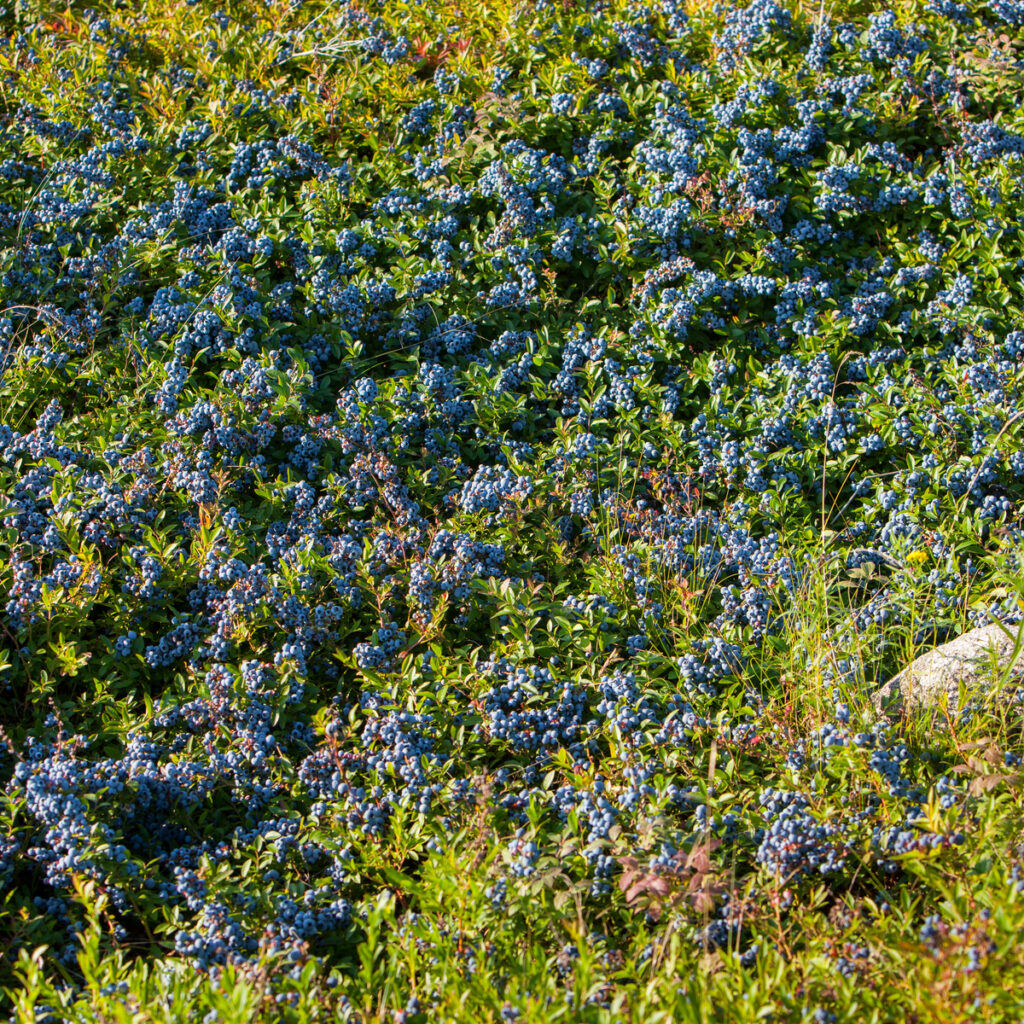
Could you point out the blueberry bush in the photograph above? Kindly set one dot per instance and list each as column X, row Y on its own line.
column 464, row 468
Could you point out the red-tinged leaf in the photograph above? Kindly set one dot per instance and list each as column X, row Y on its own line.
column 994, row 756
column 699, row 858
column 703, row 901
column 985, row 783
column 985, row 741
column 656, row 885
column 628, row 873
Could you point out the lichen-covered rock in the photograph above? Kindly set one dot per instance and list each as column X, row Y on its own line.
column 976, row 660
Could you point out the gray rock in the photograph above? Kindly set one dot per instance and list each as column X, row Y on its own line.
column 976, row 660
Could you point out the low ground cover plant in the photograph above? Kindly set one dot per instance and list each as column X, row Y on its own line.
column 464, row 469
